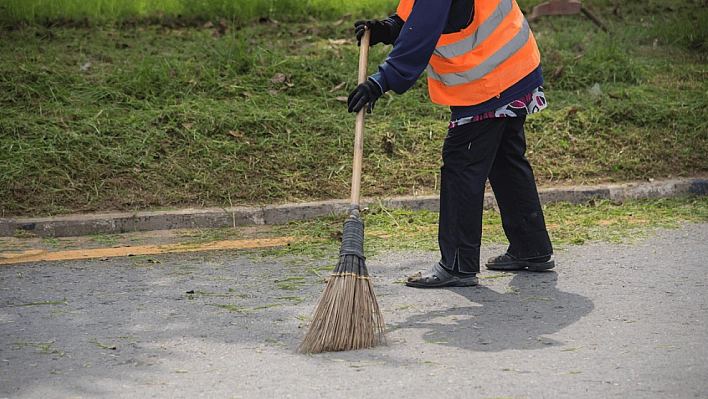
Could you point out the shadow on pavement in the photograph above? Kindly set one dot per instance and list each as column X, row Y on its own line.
column 520, row 318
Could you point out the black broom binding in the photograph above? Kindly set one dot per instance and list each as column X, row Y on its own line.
column 347, row 316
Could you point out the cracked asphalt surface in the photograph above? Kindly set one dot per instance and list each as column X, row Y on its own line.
column 610, row 320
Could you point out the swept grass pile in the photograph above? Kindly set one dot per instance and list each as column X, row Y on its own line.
column 568, row 224
column 144, row 113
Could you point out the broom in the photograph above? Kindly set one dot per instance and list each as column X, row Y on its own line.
column 347, row 316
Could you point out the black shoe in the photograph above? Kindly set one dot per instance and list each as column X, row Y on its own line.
column 438, row 277
column 508, row 262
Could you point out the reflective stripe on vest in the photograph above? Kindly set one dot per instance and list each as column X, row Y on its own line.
column 486, row 66
column 478, row 36
column 476, row 64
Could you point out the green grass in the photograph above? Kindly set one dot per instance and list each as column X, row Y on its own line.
column 144, row 114
column 102, row 346
column 179, row 11
column 569, row 224
column 43, row 347
column 44, row 303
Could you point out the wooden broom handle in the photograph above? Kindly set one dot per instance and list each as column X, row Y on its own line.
column 359, row 129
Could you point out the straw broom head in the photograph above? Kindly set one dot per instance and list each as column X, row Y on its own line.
column 347, row 316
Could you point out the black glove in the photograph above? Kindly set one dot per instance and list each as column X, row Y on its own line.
column 381, row 31
column 367, row 92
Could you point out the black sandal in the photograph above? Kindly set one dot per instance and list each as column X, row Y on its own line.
column 509, row 263
column 438, row 277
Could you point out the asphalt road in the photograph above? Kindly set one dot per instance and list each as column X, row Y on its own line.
column 624, row 321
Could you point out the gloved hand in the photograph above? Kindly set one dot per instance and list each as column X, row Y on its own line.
column 380, row 31
column 367, row 92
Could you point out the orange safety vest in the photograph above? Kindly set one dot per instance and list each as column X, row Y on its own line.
column 479, row 62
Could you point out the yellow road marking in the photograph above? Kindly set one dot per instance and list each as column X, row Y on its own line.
column 43, row 255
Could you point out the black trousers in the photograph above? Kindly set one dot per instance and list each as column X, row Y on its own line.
column 472, row 153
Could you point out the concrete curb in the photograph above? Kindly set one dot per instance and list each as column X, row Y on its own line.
column 112, row 223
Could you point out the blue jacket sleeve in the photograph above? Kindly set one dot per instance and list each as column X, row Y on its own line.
column 414, row 46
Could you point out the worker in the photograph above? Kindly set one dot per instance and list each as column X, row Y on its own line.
column 483, row 62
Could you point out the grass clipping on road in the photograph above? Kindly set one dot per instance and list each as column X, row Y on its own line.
column 568, row 224
column 132, row 117
column 386, row 230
